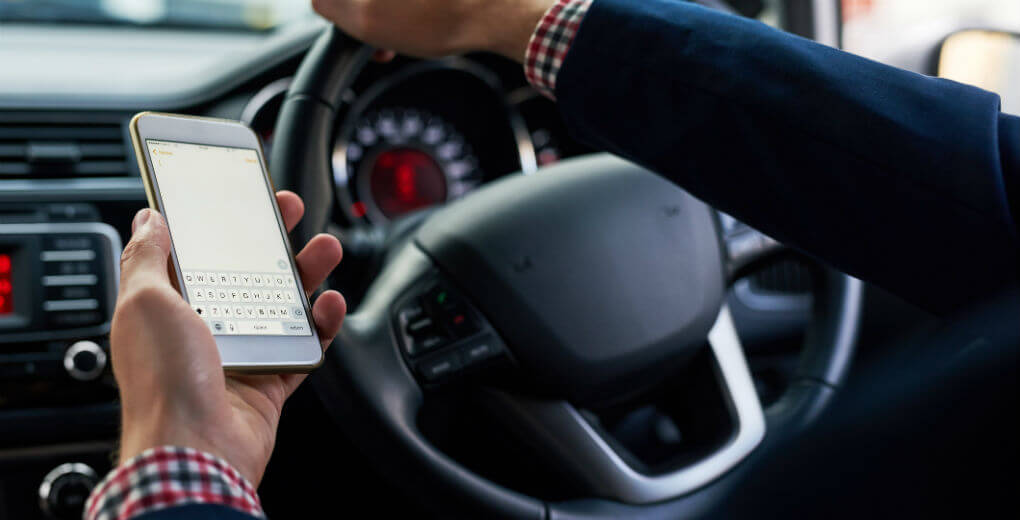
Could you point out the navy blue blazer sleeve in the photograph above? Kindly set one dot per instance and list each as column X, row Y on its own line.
column 196, row 512
column 897, row 178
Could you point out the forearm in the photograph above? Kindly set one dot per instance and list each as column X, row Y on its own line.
column 888, row 175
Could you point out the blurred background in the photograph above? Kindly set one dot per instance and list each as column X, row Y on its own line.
column 899, row 32
column 225, row 14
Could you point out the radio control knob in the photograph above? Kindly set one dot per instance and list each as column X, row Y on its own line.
column 64, row 490
column 85, row 360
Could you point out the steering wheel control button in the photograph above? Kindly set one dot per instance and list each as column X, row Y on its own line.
column 480, row 349
column 439, row 367
column 420, row 327
column 85, row 360
column 411, row 312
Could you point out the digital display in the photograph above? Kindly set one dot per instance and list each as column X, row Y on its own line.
column 6, row 285
column 233, row 260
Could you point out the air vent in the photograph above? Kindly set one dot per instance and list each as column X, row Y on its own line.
column 49, row 147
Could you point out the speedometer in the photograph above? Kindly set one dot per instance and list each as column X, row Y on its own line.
column 395, row 161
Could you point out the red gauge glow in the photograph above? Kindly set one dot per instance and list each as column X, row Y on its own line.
column 404, row 180
column 6, row 280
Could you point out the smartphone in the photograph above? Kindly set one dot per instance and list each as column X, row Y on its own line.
column 231, row 256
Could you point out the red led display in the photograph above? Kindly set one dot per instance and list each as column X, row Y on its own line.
column 6, row 289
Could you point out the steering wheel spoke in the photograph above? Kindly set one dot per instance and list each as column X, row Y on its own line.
column 596, row 461
column 746, row 247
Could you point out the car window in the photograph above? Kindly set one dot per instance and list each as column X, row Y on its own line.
column 210, row 14
column 902, row 32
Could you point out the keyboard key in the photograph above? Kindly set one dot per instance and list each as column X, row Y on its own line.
column 296, row 328
column 259, row 327
column 211, row 278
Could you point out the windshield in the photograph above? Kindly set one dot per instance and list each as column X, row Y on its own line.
column 221, row 14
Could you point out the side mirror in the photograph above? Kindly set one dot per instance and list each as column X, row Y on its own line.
column 986, row 59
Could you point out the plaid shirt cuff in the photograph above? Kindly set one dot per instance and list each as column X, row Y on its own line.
column 551, row 41
column 169, row 476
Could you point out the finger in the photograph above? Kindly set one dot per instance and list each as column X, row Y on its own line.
column 144, row 260
column 292, row 208
column 317, row 260
column 383, row 55
column 328, row 312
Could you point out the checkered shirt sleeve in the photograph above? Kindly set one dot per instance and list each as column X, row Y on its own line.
column 169, row 476
column 551, row 41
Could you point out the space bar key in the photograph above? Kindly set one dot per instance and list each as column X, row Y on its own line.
column 259, row 327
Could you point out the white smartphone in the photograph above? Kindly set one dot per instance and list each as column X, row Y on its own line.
column 230, row 254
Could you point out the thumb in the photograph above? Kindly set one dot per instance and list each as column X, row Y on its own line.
column 144, row 261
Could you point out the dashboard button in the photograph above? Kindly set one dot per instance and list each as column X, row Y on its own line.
column 64, row 490
column 85, row 360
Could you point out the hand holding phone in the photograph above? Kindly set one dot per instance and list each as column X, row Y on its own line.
column 229, row 252
column 172, row 385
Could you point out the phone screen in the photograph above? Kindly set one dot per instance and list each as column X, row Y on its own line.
column 234, row 265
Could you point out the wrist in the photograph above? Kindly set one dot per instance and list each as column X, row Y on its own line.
column 506, row 27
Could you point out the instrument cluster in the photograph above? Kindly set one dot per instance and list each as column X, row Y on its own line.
column 416, row 134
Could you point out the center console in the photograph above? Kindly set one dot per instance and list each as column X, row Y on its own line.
column 58, row 287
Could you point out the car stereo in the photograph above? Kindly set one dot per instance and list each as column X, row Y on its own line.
column 57, row 292
column 56, row 278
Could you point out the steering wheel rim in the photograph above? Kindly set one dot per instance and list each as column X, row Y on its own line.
column 377, row 403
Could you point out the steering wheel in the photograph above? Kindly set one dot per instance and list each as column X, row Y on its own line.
column 549, row 294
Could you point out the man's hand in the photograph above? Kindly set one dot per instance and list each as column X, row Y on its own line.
column 173, row 389
column 439, row 27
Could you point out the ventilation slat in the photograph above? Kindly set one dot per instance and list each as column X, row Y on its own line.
column 43, row 146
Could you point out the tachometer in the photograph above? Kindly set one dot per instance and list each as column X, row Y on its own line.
column 397, row 160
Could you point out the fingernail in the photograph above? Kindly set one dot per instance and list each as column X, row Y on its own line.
column 140, row 218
